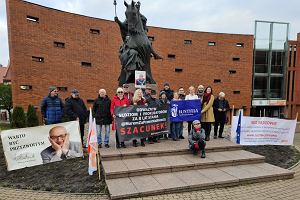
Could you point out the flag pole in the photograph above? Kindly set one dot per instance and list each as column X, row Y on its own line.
column 115, row 3
column 232, row 113
column 98, row 161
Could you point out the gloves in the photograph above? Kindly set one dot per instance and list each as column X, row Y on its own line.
column 196, row 146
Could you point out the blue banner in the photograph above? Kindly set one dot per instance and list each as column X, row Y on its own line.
column 185, row 110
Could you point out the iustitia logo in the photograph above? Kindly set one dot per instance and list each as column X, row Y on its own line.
column 174, row 110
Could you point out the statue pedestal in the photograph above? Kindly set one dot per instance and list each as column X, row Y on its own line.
column 132, row 87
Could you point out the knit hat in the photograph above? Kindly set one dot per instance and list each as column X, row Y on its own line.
column 162, row 92
column 167, row 84
column 75, row 91
column 52, row 88
column 196, row 122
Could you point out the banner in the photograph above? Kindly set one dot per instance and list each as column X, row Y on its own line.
column 141, row 121
column 32, row 146
column 140, row 79
column 263, row 131
column 185, row 110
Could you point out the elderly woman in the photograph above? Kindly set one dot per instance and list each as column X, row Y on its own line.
column 118, row 100
column 221, row 106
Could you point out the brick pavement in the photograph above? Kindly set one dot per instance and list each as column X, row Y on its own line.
column 282, row 189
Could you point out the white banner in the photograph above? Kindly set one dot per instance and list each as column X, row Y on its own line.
column 264, row 131
column 28, row 147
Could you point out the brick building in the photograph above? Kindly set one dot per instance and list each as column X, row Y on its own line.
column 293, row 79
column 52, row 47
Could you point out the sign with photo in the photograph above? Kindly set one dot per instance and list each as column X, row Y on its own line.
column 26, row 147
column 140, row 79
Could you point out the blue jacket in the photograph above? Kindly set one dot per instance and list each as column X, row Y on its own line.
column 52, row 108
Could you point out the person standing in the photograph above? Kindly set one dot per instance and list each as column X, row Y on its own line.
column 101, row 110
column 207, row 112
column 191, row 96
column 168, row 91
column 139, row 100
column 52, row 107
column 164, row 101
column 154, row 102
column 118, row 100
column 127, row 93
column 76, row 110
column 181, row 93
column 176, row 127
column 200, row 92
column 221, row 106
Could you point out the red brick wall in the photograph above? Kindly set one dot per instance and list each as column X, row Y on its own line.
column 201, row 63
column 293, row 73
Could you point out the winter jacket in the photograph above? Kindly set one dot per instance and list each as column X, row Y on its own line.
column 101, row 110
column 169, row 94
column 192, row 139
column 74, row 108
column 207, row 113
column 52, row 109
column 118, row 102
column 153, row 102
column 220, row 116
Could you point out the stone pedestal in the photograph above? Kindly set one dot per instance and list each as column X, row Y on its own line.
column 132, row 87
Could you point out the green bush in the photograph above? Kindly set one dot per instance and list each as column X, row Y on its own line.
column 18, row 118
column 32, row 118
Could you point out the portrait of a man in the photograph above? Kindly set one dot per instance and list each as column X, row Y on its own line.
column 61, row 147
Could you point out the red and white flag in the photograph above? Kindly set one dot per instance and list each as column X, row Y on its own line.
column 92, row 148
column 90, row 128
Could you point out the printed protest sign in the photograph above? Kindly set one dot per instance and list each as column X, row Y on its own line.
column 32, row 146
column 141, row 122
column 263, row 131
column 185, row 110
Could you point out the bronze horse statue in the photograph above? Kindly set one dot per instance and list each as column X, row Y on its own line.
column 136, row 51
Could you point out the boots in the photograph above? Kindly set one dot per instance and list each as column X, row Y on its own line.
column 203, row 154
column 134, row 143
column 123, row 145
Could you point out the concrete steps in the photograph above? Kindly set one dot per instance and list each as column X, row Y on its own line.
column 169, row 167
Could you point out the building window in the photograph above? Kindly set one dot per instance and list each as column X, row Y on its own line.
column 62, row 89
column 178, row 69
column 187, row 41
column 236, row 59
column 239, row 44
column 90, row 101
column 151, row 38
column 217, row 80
column 294, row 61
column 293, row 86
column 32, row 19
column 86, row 64
column 37, row 59
column 232, row 71
column 236, row 92
column 211, row 43
column 26, row 87
column 288, row 86
column 171, row 56
column 94, row 31
column 59, row 44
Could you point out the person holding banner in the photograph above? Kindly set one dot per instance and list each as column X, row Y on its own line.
column 176, row 127
column 200, row 92
column 118, row 100
column 61, row 148
column 164, row 101
column 153, row 101
column 197, row 139
column 207, row 113
column 191, row 96
column 168, row 91
column 220, row 106
column 181, row 93
column 127, row 93
column 139, row 100
column 101, row 109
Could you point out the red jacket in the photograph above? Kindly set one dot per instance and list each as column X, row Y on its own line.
column 116, row 101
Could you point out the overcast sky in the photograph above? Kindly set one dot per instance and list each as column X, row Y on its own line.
column 225, row 16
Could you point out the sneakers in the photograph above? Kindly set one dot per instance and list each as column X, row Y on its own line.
column 174, row 139
column 181, row 137
column 220, row 136
column 134, row 143
column 106, row 145
column 203, row 154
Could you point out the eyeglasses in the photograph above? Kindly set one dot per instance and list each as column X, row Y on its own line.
column 125, row 87
column 120, row 92
column 59, row 136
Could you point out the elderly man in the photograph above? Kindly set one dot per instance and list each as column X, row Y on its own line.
column 76, row 110
column 220, row 106
column 61, row 148
column 101, row 109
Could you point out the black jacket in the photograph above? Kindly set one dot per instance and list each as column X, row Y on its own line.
column 169, row 94
column 220, row 116
column 76, row 108
column 101, row 110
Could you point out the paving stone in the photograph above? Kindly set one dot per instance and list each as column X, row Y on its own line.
column 169, row 181
column 156, row 163
column 121, row 187
column 147, row 184
column 136, row 164
column 194, row 179
column 218, row 176
column 114, row 167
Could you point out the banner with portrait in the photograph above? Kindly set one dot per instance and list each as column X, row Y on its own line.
column 185, row 110
column 135, row 122
column 26, row 147
column 140, row 79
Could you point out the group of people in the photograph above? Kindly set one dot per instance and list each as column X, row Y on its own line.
column 213, row 110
